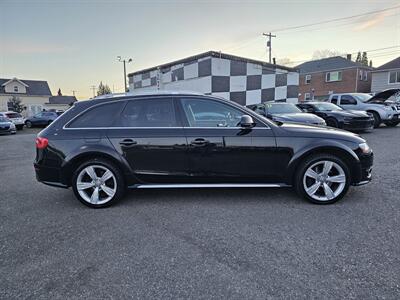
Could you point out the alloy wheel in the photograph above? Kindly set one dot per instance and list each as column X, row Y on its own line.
column 324, row 180
column 96, row 184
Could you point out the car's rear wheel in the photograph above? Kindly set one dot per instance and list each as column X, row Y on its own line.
column 98, row 183
column 323, row 179
column 377, row 119
column 28, row 124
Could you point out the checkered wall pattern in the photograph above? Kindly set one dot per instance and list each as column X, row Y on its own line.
column 239, row 81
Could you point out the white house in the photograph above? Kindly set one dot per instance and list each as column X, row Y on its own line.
column 386, row 76
column 243, row 80
column 35, row 95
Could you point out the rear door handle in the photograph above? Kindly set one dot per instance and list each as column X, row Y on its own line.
column 127, row 142
column 199, row 142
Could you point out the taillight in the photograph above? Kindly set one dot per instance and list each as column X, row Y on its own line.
column 41, row 142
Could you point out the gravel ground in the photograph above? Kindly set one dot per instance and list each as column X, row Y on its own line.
column 199, row 244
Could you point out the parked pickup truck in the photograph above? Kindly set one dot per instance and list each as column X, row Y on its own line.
column 382, row 111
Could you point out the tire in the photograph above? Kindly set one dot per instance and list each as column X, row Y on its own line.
column 377, row 119
column 109, row 191
column 316, row 163
column 20, row 127
column 332, row 122
column 28, row 124
column 392, row 124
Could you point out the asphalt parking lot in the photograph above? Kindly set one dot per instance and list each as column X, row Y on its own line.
column 199, row 244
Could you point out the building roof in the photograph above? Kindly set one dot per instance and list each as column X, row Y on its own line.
column 33, row 87
column 393, row 64
column 62, row 99
column 216, row 54
column 330, row 63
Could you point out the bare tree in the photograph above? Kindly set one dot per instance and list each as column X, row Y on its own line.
column 15, row 104
column 285, row 61
column 325, row 53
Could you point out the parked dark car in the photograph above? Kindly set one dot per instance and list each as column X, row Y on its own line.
column 7, row 126
column 285, row 112
column 43, row 118
column 337, row 117
column 166, row 140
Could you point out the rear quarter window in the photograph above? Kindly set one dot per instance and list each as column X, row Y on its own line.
column 103, row 115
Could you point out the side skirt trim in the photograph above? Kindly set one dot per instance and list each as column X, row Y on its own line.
column 208, row 185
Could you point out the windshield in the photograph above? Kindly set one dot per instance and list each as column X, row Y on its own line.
column 281, row 108
column 362, row 97
column 3, row 119
column 324, row 106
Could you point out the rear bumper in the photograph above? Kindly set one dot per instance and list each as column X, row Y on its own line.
column 48, row 175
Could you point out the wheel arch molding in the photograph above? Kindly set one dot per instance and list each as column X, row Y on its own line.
column 340, row 150
column 76, row 158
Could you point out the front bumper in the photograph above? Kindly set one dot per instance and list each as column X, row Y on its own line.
column 363, row 174
column 392, row 117
column 358, row 125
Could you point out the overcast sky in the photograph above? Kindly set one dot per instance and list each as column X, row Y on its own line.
column 74, row 44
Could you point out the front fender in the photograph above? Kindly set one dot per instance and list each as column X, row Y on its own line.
column 342, row 149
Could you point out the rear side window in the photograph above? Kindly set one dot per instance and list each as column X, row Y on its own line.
column 148, row 113
column 99, row 116
column 347, row 100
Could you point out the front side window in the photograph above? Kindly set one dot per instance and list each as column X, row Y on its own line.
column 333, row 76
column 148, row 113
column 347, row 100
column 209, row 113
column 394, row 77
column 334, row 99
column 98, row 116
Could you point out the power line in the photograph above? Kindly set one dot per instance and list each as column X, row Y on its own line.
column 335, row 20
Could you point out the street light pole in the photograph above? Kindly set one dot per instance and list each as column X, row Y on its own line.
column 124, row 61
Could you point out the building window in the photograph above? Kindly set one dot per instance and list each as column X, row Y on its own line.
column 308, row 79
column 307, row 96
column 16, row 89
column 361, row 74
column 394, row 77
column 365, row 75
column 333, row 76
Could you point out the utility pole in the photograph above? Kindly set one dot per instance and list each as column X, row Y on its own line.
column 93, row 87
column 73, row 92
column 269, row 43
column 124, row 61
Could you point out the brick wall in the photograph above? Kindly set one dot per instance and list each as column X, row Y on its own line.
column 350, row 83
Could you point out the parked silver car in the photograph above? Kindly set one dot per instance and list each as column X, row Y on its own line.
column 15, row 117
column 383, row 112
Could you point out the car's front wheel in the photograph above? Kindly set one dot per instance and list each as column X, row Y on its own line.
column 323, row 179
column 28, row 124
column 392, row 124
column 98, row 183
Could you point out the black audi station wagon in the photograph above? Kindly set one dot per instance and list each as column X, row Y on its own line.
column 185, row 140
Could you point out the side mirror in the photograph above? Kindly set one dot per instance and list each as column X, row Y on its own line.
column 247, row 121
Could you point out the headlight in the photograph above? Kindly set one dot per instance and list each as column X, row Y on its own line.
column 364, row 148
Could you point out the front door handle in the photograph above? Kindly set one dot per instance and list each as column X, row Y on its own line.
column 199, row 142
column 127, row 142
